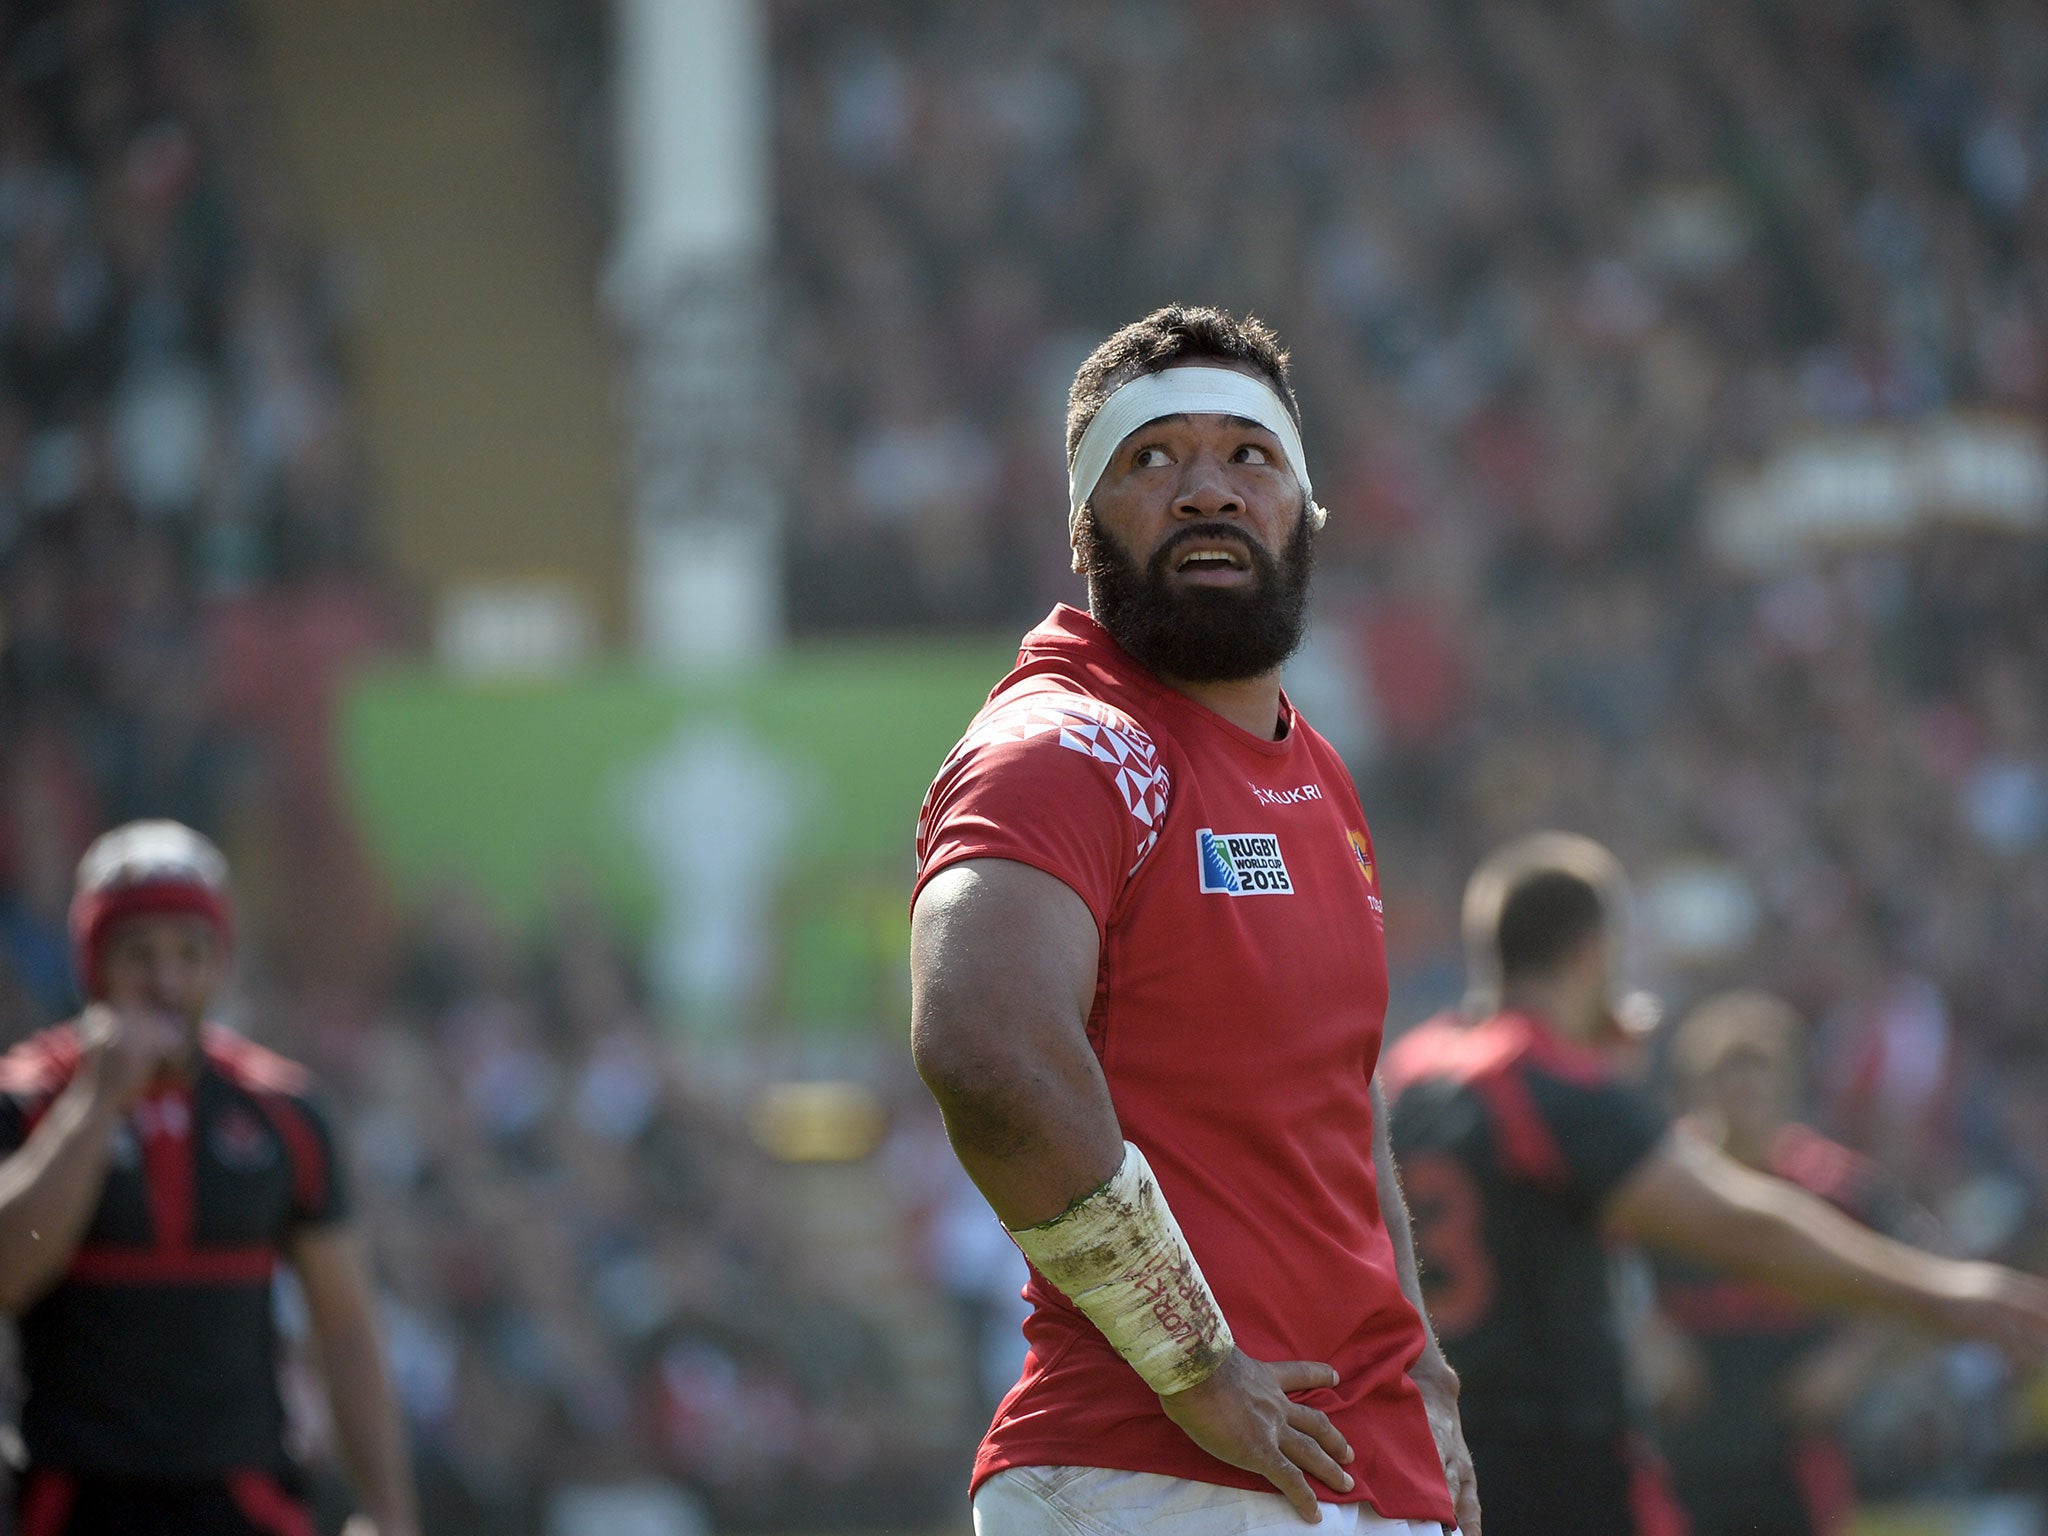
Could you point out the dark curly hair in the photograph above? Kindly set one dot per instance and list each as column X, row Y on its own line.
column 1175, row 334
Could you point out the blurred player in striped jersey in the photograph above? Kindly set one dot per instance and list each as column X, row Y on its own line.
column 154, row 1170
column 1526, row 1151
column 1762, row 1376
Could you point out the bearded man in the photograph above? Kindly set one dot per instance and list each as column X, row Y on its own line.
column 1149, row 983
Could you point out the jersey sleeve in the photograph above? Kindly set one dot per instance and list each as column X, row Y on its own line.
column 32, row 1074
column 1602, row 1129
column 1063, row 783
column 319, row 1178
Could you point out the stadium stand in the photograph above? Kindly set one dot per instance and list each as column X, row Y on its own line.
column 184, row 559
column 1561, row 275
column 1566, row 282
column 581, row 1278
column 590, row 1273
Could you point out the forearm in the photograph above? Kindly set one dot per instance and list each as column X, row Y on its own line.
column 368, row 1425
column 48, row 1190
column 1432, row 1374
column 1002, row 976
column 1394, row 1212
column 1034, row 1145
column 1778, row 1233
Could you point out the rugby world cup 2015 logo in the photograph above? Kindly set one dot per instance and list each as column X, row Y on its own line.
column 1241, row 864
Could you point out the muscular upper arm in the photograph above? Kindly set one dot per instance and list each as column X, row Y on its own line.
column 1002, row 962
column 1687, row 1196
column 334, row 1274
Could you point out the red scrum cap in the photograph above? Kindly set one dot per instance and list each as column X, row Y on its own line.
column 145, row 867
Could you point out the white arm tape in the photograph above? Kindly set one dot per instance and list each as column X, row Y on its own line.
column 1120, row 1257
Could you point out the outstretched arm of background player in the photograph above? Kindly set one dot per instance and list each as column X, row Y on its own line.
column 50, row 1186
column 1002, row 974
column 332, row 1272
column 1691, row 1198
column 1432, row 1373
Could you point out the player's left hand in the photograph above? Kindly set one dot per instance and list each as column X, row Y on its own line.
column 1439, row 1387
column 1244, row 1415
column 363, row 1525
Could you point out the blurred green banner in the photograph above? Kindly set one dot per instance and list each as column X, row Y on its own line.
column 756, row 832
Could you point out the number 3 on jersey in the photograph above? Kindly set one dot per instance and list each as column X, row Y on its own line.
column 1444, row 1205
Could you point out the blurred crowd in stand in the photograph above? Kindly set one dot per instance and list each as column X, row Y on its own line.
column 584, row 1259
column 590, row 1272
column 182, row 546
column 1552, row 269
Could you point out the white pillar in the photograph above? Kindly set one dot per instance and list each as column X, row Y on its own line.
column 687, row 284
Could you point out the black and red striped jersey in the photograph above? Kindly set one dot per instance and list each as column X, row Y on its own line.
column 155, row 1355
column 1509, row 1140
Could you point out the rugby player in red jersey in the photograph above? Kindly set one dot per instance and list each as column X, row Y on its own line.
column 1527, row 1153
column 1149, row 983
column 154, row 1168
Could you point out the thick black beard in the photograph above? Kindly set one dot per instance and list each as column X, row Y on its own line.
column 1200, row 634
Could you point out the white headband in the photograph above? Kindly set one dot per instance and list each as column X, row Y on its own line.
column 1179, row 392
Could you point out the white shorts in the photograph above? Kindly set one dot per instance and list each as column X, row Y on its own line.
column 1099, row 1501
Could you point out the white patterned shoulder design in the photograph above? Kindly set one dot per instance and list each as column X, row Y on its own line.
column 1095, row 730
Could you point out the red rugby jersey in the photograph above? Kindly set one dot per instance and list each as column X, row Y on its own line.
column 1238, row 1007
